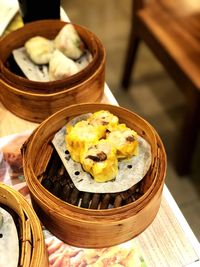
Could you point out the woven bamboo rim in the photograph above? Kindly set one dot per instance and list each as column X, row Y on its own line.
column 35, row 101
column 32, row 250
column 93, row 228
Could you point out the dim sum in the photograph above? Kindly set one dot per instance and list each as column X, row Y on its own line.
column 80, row 137
column 124, row 140
column 39, row 49
column 61, row 66
column 69, row 42
column 104, row 119
column 100, row 161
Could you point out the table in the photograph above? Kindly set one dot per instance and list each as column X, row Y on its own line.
column 169, row 240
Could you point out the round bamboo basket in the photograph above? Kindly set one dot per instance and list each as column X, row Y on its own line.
column 35, row 101
column 32, row 246
column 87, row 227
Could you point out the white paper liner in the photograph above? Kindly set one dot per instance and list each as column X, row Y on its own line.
column 32, row 71
column 131, row 170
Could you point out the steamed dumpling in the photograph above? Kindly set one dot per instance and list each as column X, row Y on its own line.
column 104, row 119
column 100, row 161
column 124, row 140
column 80, row 137
column 39, row 49
column 61, row 66
column 69, row 42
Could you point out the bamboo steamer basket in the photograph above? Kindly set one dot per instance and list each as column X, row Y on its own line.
column 86, row 227
column 35, row 101
column 32, row 246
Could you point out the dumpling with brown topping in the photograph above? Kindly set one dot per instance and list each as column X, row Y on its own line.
column 124, row 140
column 80, row 137
column 100, row 161
column 105, row 119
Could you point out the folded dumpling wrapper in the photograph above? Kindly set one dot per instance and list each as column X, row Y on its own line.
column 130, row 172
column 61, row 67
column 69, row 42
column 9, row 242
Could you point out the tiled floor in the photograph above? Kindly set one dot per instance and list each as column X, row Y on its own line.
column 110, row 20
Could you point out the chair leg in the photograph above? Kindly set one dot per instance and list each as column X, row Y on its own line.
column 189, row 135
column 130, row 59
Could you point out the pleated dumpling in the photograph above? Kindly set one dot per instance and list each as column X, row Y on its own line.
column 69, row 42
column 124, row 140
column 39, row 49
column 100, row 161
column 105, row 119
column 61, row 67
column 80, row 137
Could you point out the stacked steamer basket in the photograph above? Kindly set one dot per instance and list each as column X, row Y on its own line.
column 35, row 101
column 91, row 219
column 31, row 239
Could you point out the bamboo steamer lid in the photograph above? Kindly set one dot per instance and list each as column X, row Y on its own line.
column 86, row 227
column 35, row 101
column 32, row 246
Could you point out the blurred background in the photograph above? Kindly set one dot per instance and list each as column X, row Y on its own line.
column 152, row 93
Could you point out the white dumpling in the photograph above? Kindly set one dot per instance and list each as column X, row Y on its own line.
column 61, row 66
column 69, row 42
column 39, row 49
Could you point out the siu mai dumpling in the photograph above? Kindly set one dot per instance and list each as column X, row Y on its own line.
column 61, row 67
column 124, row 140
column 79, row 138
column 100, row 161
column 104, row 119
column 69, row 42
column 39, row 49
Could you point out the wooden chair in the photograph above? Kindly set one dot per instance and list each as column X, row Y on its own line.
column 171, row 29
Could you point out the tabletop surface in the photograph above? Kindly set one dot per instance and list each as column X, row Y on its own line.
column 168, row 241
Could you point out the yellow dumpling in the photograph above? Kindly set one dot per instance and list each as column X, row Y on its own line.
column 100, row 161
column 81, row 136
column 105, row 119
column 99, row 128
column 124, row 140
